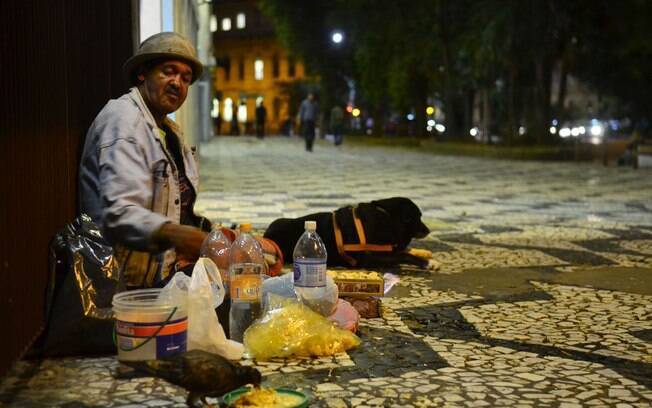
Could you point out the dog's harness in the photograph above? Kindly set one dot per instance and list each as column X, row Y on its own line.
column 362, row 246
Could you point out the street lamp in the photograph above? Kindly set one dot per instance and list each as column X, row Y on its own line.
column 337, row 37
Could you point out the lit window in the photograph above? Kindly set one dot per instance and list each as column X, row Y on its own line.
column 242, row 113
column 226, row 24
column 228, row 110
column 240, row 21
column 215, row 112
column 213, row 24
column 259, row 69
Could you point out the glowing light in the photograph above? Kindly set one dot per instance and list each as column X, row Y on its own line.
column 242, row 113
column 240, row 21
column 553, row 130
column 473, row 132
column 555, row 122
column 440, row 128
column 349, row 108
column 429, row 128
column 410, row 116
column 213, row 23
column 259, row 69
column 431, row 123
column 596, row 130
column 226, row 24
column 582, row 130
column 337, row 37
column 596, row 140
column 355, row 112
column 521, row 130
column 215, row 112
column 430, row 110
column 228, row 109
column 564, row 132
column 575, row 131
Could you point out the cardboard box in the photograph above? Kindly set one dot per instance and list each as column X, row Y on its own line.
column 358, row 284
column 368, row 307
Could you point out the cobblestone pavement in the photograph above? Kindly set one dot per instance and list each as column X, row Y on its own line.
column 543, row 296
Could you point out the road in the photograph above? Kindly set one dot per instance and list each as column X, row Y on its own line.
column 542, row 297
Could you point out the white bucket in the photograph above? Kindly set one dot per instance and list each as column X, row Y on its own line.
column 148, row 325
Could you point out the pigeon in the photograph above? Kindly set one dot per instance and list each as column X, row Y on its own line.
column 203, row 374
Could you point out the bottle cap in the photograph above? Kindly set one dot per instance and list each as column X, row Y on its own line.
column 310, row 225
column 245, row 227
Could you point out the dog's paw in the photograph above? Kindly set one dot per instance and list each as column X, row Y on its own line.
column 433, row 265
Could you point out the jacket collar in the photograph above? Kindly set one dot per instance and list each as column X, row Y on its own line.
column 136, row 96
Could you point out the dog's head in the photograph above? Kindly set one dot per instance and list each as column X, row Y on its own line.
column 407, row 216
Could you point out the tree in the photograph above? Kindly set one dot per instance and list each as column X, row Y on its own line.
column 501, row 52
column 304, row 28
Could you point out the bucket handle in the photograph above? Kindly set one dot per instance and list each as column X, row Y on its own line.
column 115, row 342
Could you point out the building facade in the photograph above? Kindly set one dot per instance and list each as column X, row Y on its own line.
column 251, row 67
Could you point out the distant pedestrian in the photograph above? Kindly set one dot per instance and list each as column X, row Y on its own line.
column 261, row 115
column 308, row 114
column 235, row 129
column 369, row 125
column 218, row 125
column 337, row 124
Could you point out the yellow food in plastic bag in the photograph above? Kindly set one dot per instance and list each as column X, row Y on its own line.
column 292, row 329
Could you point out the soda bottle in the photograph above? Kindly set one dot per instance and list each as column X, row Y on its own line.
column 216, row 247
column 310, row 270
column 246, row 268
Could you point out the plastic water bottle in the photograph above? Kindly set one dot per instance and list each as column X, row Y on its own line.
column 217, row 247
column 310, row 270
column 246, row 268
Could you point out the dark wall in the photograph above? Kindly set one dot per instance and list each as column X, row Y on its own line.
column 60, row 62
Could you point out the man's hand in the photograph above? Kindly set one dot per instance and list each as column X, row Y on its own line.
column 185, row 239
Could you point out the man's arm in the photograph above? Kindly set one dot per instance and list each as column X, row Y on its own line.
column 186, row 239
column 127, row 192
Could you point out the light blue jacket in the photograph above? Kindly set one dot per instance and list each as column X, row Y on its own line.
column 128, row 184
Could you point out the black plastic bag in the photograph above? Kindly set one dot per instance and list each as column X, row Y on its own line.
column 84, row 276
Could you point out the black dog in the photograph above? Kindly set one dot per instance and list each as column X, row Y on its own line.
column 384, row 230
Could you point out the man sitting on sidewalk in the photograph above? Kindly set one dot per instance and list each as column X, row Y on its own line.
column 138, row 180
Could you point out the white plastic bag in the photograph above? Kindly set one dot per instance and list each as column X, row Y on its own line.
column 204, row 330
column 202, row 294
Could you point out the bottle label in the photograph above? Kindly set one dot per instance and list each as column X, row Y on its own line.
column 310, row 273
column 246, row 288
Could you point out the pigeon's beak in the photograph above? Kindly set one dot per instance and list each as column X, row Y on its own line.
column 256, row 377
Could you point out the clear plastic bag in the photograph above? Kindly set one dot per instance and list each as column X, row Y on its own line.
column 289, row 328
column 282, row 285
column 323, row 302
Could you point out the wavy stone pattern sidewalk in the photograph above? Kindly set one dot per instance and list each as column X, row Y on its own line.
column 543, row 296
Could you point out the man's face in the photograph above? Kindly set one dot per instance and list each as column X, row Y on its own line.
column 165, row 86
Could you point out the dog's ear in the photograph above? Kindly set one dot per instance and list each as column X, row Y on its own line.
column 407, row 213
column 400, row 208
column 396, row 206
